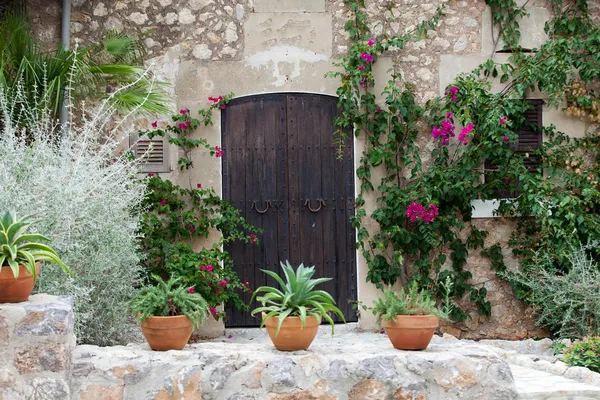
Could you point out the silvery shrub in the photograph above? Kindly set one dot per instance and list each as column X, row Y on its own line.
column 87, row 198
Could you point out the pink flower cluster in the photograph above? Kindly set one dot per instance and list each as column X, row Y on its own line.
column 367, row 57
column 462, row 136
column 371, row 42
column 184, row 111
column 219, row 152
column 452, row 91
column 184, row 125
column 446, row 131
column 252, row 238
column 223, row 283
column 155, row 124
column 163, row 202
column 213, row 311
column 216, row 100
column 208, row 268
column 417, row 212
column 191, row 290
column 503, row 120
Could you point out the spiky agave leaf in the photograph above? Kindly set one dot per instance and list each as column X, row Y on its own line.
column 297, row 297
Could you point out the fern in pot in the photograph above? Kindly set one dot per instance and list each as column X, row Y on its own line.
column 409, row 316
column 293, row 313
column 168, row 313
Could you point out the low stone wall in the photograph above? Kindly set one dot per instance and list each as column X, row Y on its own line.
column 36, row 342
column 39, row 360
column 351, row 365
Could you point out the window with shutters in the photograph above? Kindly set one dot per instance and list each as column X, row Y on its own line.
column 153, row 153
column 529, row 139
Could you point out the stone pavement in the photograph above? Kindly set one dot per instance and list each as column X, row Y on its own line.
column 539, row 385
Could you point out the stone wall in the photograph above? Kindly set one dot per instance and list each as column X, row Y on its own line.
column 39, row 361
column 36, row 342
column 213, row 47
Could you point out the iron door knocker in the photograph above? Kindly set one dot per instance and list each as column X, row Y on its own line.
column 321, row 204
column 268, row 203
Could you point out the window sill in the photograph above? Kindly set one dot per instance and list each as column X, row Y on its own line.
column 485, row 208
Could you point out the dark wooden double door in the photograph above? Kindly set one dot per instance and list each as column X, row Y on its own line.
column 281, row 171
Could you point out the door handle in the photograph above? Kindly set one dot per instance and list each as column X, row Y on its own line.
column 321, row 204
column 268, row 204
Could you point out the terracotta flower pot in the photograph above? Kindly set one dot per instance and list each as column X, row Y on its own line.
column 167, row 333
column 411, row 332
column 16, row 290
column 292, row 336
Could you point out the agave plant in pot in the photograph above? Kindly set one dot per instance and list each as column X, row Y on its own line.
column 293, row 314
column 409, row 317
column 20, row 257
column 168, row 313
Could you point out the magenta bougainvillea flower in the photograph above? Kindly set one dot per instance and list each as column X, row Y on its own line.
column 219, row 152
column 183, row 111
column 191, row 290
column 155, row 124
column 367, row 57
column 163, row 202
column 199, row 186
column 417, row 212
column 371, row 42
column 462, row 136
column 503, row 120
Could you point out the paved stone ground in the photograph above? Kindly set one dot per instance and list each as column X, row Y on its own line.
column 537, row 373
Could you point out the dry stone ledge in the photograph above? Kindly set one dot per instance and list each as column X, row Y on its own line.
column 36, row 342
column 350, row 365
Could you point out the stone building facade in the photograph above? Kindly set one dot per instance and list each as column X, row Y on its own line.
column 212, row 47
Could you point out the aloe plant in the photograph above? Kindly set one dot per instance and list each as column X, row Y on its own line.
column 297, row 297
column 18, row 247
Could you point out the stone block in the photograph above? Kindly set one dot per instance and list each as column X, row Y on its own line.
column 288, row 6
column 100, row 392
column 369, row 389
column 532, row 30
column 46, row 315
column 47, row 357
column 302, row 395
column 279, row 374
column 381, row 368
column 4, row 334
column 282, row 33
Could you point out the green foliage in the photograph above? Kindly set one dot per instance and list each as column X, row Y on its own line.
column 563, row 207
column 406, row 301
column 585, row 353
column 176, row 216
column 568, row 303
column 18, row 247
column 168, row 299
column 297, row 297
column 90, row 72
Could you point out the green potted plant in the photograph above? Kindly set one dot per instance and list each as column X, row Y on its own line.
column 292, row 315
column 168, row 313
column 20, row 256
column 409, row 317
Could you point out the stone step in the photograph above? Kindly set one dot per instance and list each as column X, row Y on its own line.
column 539, row 385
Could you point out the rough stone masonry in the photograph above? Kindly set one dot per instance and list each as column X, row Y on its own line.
column 39, row 361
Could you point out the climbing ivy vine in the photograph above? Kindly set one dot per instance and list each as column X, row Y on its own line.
column 423, row 201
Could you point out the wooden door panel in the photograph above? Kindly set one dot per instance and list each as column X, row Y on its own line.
column 279, row 148
column 254, row 176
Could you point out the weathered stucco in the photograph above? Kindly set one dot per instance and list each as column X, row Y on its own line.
column 213, row 47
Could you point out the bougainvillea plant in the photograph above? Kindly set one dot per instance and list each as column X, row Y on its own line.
column 178, row 217
column 424, row 206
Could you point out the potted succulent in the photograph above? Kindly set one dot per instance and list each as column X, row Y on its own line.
column 20, row 256
column 409, row 317
column 168, row 313
column 292, row 315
